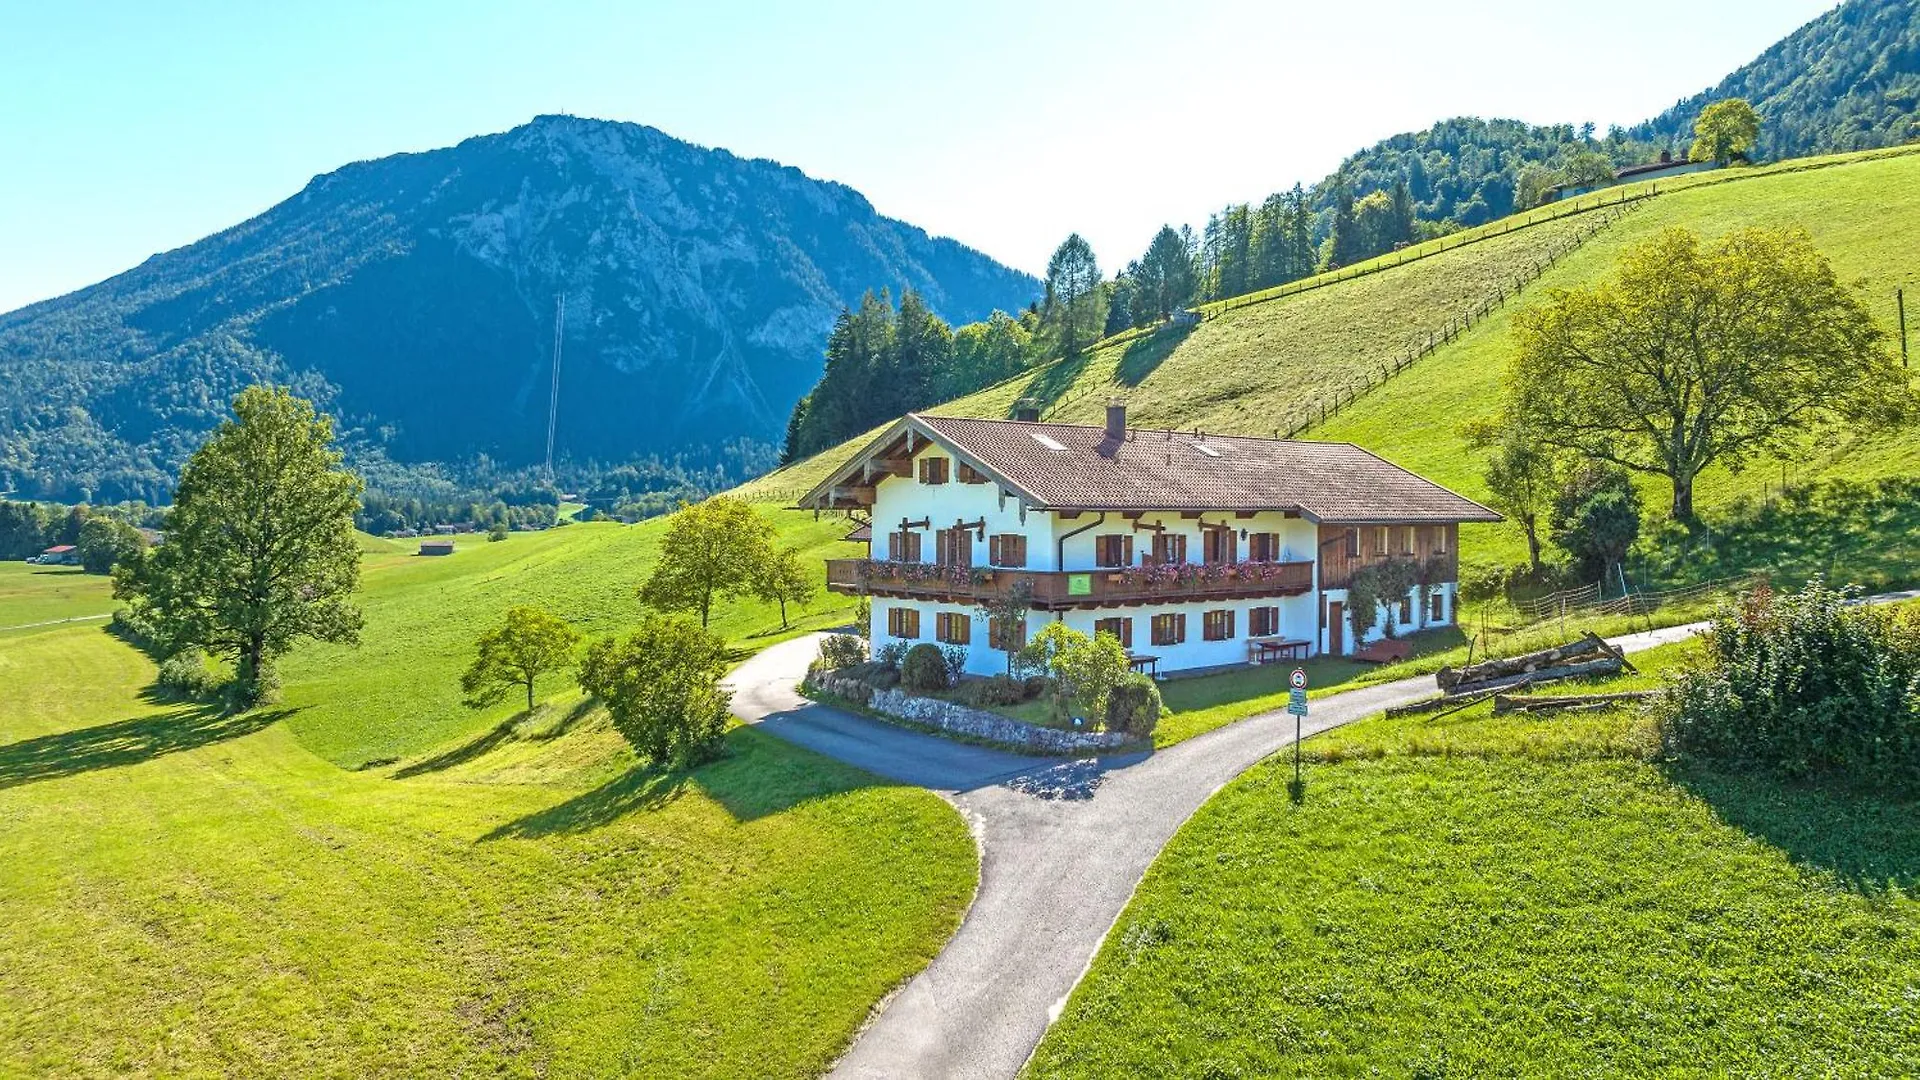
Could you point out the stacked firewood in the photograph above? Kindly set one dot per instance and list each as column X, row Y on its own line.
column 1588, row 656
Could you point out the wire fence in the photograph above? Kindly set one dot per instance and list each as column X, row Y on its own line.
column 1319, row 411
column 1591, row 599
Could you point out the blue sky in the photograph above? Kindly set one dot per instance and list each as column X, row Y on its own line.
column 131, row 128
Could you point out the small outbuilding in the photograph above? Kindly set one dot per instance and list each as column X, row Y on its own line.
column 436, row 547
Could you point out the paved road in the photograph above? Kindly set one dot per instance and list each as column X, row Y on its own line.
column 1062, row 845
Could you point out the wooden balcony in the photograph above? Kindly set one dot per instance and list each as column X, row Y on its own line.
column 1054, row 590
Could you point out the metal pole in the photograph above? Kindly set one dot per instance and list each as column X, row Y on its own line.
column 1900, row 299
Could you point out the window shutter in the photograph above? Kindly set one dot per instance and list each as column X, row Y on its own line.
column 1180, row 627
column 1126, row 550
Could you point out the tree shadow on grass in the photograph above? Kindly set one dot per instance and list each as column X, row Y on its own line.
column 463, row 753
column 757, row 776
column 1864, row 840
column 1144, row 355
column 127, row 742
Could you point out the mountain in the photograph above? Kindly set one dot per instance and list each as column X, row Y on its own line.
column 415, row 298
column 1848, row 80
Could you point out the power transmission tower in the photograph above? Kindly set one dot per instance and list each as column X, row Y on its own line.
column 553, row 399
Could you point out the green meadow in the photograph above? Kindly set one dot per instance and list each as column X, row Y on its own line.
column 1531, row 894
column 190, row 893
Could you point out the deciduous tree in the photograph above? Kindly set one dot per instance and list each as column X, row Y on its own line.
column 1725, row 130
column 782, row 578
column 1689, row 355
column 527, row 644
column 711, row 550
column 260, row 550
column 1520, row 475
column 661, row 687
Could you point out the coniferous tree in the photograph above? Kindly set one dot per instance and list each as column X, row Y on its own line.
column 1166, row 272
column 1349, row 246
column 1073, row 294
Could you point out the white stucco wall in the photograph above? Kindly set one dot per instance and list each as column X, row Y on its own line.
column 1413, row 618
column 905, row 498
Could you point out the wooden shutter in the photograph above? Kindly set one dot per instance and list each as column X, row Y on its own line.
column 942, row 546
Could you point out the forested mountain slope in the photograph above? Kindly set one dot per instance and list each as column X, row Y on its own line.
column 415, row 298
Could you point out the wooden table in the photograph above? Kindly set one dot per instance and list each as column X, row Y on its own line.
column 1268, row 649
column 1149, row 665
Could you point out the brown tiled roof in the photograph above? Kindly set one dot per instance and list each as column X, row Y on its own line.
column 1070, row 466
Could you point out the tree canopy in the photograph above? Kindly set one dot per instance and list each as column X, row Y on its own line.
column 712, row 549
column 527, row 644
column 260, row 550
column 1725, row 130
column 1688, row 355
column 661, row 687
column 1073, row 308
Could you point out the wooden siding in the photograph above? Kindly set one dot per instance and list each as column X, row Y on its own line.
column 1430, row 541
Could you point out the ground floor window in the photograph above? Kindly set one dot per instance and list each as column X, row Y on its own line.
column 903, row 622
column 953, row 628
column 1217, row 625
column 1121, row 629
column 1169, row 629
column 1437, row 606
column 1007, row 635
column 1263, row 621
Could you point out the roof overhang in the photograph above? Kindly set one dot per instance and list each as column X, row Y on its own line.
column 851, row 486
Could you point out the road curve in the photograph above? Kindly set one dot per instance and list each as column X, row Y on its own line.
column 1063, row 843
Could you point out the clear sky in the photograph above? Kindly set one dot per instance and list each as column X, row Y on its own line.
column 131, row 127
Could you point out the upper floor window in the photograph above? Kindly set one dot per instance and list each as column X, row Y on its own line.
column 1406, row 540
column 1113, row 549
column 1218, row 545
column 953, row 547
column 933, row 470
column 1440, row 539
column 1264, row 547
column 1007, row 549
column 970, row 475
column 1120, row 628
column 903, row 546
column 1169, row 548
column 1377, row 541
column 1217, row 625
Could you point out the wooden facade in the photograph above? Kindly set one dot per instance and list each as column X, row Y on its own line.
column 1061, row 590
column 1346, row 548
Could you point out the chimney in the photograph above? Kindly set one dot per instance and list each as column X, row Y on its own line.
column 1116, row 420
column 1027, row 413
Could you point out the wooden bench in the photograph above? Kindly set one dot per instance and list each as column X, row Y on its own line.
column 1265, row 650
column 1147, row 665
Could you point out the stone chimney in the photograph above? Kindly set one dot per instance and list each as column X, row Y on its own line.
column 1028, row 413
column 1116, row 420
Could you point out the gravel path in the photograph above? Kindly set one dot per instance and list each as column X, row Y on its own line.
column 1063, row 843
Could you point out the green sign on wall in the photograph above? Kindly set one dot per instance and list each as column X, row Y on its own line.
column 1079, row 584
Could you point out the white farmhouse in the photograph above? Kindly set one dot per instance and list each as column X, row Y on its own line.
column 1195, row 550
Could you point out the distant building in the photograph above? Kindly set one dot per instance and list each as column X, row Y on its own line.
column 436, row 547
column 1653, row 170
column 60, row 555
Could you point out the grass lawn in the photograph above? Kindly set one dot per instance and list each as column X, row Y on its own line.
column 196, row 894
column 1512, row 896
column 35, row 594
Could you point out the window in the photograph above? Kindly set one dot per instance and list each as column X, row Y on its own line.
column 1353, row 543
column 1437, row 606
column 1379, row 540
column 1440, row 539
column 1218, row 546
column 1263, row 621
column 1169, row 548
column 903, row 546
column 970, row 475
column 1007, row 635
column 1264, row 547
column 1406, row 540
column 953, row 628
column 933, row 470
column 1113, row 549
column 1007, row 549
column 903, row 622
column 1217, row 625
column 1169, row 629
column 954, row 547
column 1122, row 629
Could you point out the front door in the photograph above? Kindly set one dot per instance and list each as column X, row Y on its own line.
column 1336, row 627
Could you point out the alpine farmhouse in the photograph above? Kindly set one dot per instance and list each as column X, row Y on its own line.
column 1195, row 550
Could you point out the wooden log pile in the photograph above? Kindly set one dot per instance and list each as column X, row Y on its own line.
column 1590, row 655
column 1509, row 703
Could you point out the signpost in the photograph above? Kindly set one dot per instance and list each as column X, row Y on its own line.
column 1297, row 705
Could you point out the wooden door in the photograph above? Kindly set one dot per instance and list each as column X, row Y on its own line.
column 1336, row 628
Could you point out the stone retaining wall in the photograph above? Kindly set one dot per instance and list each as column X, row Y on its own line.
column 963, row 720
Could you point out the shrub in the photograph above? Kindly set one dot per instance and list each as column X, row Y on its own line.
column 1084, row 669
column 883, row 678
column 1133, row 706
column 1486, row 582
column 497, row 533
column 955, row 658
column 661, row 687
column 1804, row 685
column 924, row 670
column 185, row 673
column 891, row 654
column 842, row 651
column 1000, row 690
column 1034, row 687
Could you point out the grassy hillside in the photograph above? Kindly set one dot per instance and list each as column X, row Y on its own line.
column 1477, row 895
column 195, row 894
column 1249, row 370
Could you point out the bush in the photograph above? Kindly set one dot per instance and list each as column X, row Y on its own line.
column 1000, row 690
column 185, row 674
column 1133, row 706
column 891, row 654
column 883, row 678
column 1487, row 582
column 661, row 687
column 497, row 533
column 955, row 658
column 1804, row 685
column 842, row 651
column 1035, row 687
column 924, row 671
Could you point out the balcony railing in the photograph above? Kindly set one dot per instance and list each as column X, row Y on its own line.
column 1133, row 585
